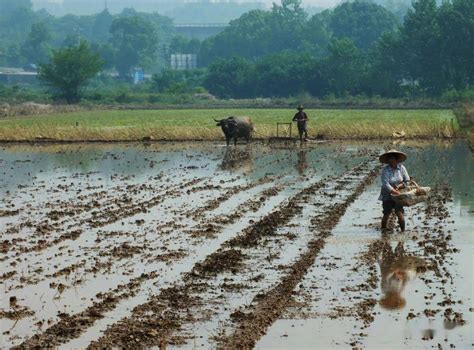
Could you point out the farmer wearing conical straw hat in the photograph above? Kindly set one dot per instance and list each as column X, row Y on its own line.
column 302, row 120
column 394, row 178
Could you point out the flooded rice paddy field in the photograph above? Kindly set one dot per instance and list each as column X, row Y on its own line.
column 200, row 246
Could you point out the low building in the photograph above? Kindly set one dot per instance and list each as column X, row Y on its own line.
column 183, row 61
column 17, row 76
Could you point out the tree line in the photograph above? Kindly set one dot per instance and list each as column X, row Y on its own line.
column 124, row 40
column 358, row 48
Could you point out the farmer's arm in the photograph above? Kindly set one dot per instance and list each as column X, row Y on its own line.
column 295, row 118
column 386, row 182
column 405, row 178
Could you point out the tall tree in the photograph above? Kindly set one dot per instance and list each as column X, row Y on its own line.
column 456, row 23
column 386, row 60
column 101, row 27
column 345, row 67
column 250, row 36
column 258, row 33
column 283, row 74
column 135, row 42
column 316, row 35
column 231, row 78
column 362, row 22
column 36, row 47
column 15, row 17
column 69, row 70
column 420, row 35
column 287, row 24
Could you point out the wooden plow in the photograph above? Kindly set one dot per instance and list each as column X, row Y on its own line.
column 284, row 133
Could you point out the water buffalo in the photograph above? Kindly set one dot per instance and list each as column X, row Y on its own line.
column 236, row 127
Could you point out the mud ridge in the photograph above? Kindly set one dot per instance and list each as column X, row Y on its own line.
column 270, row 306
column 159, row 313
column 71, row 326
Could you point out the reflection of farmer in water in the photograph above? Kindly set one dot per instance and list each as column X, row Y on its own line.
column 397, row 270
column 301, row 164
column 301, row 118
column 394, row 178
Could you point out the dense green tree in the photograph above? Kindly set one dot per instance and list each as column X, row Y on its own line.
column 316, row 36
column 101, row 27
column 288, row 22
column 250, row 36
column 456, row 25
column 169, row 80
column 10, row 55
column 16, row 17
column 37, row 46
column 362, row 22
column 345, row 67
column 135, row 42
column 420, row 35
column 107, row 52
column 283, row 74
column 287, row 27
column 69, row 70
column 386, row 60
column 398, row 7
column 181, row 44
column 258, row 33
column 231, row 78
column 356, row 48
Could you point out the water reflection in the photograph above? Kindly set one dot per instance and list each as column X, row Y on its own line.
column 236, row 159
column 302, row 163
column 397, row 269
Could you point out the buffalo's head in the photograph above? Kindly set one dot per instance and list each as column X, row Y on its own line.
column 228, row 124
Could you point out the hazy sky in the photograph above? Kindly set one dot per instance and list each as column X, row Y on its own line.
column 321, row 3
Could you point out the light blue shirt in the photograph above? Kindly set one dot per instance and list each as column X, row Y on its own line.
column 392, row 177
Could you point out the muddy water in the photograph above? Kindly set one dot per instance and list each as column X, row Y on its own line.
column 326, row 316
column 79, row 223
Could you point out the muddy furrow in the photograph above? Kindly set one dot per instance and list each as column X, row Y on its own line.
column 46, row 339
column 200, row 230
column 71, row 326
column 166, row 308
column 103, row 218
column 214, row 203
column 270, row 306
column 61, row 213
column 250, row 206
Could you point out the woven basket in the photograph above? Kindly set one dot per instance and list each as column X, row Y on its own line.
column 412, row 195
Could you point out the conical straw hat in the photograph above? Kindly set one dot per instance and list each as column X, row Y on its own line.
column 401, row 157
